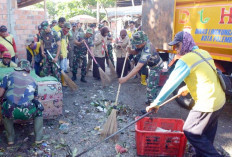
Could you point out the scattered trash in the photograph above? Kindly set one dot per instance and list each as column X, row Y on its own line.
column 44, row 144
column 66, row 111
column 158, row 129
column 64, row 128
column 100, row 109
column 74, row 152
column 120, row 149
column 97, row 128
column 26, row 139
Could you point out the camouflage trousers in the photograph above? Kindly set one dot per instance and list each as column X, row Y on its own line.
column 79, row 58
column 152, row 85
column 49, row 68
column 110, row 52
column 21, row 112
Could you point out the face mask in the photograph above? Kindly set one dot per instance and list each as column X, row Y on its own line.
column 6, row 64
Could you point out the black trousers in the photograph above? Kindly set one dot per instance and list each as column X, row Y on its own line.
column 200, row 129
column 120, row 62
column 101, row 62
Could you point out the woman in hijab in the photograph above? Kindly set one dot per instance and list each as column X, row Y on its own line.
column 121, row 43
column 203, row 84
column 100, row 47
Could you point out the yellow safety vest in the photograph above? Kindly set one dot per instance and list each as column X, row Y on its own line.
column 36, row 49
column 7, row 44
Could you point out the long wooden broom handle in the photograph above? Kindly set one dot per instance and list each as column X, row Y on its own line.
column 53, row 58
column 123, row 68
column 90, row 52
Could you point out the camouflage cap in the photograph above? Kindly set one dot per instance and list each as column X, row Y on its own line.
column 54, row 21
column 89, row 30
column 29, row 40
column 44, row 25
column 23, row 64
column 138, row 38
column 100, row 25
column 67, row 25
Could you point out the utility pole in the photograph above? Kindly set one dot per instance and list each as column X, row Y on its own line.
column 133, row 2
column 98, row 10
column 45, row 10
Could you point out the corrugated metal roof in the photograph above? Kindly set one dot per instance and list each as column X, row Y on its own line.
column 122, row 11
column 126, row 3
column 24, row 3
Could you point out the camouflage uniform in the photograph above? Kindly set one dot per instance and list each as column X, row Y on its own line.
column 149, row 56
column 110, row 50
column 18, row 102
column 79, row 55
column 50, row 43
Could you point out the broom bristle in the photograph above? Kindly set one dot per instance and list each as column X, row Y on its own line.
column 110, row 126
column 112, row 69
column 70, row 83
column 104, row 78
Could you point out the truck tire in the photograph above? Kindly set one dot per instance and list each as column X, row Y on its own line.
column 184, row 101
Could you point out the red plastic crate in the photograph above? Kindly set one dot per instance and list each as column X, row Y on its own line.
column 151, row 143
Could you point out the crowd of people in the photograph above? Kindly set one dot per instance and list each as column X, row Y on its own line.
column 62, row 42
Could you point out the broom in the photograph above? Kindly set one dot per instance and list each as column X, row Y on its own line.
column 111, row 66
column 72, row 85
column 104, row 78
column 110, row 126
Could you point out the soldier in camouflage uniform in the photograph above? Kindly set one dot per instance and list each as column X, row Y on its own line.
column 110, row 49
column 150, row 57
column 109, row 44
column 80, row 51
column 50, row 42
column 20, row 92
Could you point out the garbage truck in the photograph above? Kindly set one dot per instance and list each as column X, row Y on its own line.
column 208, row 21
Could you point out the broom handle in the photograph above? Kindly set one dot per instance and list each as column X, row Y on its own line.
column 53, row 58
column 123, row 68
column 90, row 52
column 174, row 97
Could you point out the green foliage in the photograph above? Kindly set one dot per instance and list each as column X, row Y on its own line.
column 72, row 8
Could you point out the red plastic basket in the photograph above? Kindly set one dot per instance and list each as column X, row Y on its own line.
column 151, row 143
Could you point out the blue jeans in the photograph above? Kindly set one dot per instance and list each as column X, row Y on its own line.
column 200, row 129
column 37, row 68
column 64, row 64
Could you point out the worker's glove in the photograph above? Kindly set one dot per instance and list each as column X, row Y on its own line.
column 183, row 91
column 152, row 107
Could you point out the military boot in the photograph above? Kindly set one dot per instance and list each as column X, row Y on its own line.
column 74, row 77
column 83, row 80
column 38, row 128
column 9, row 126
column 143, row 80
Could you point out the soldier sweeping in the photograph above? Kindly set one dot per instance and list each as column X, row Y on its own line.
column 20, row 92
column 51, row 42
column 120, row 47
column 149, row 57
column 80, row 52
column 100, row 41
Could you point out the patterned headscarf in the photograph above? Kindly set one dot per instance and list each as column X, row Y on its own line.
column 187, row 44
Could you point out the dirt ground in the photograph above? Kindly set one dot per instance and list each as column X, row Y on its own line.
column 83, row 117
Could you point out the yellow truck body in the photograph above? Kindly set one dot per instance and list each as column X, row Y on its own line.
column 210, row 23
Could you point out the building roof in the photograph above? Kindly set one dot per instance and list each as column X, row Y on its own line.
column 24, row 3
column 123, row 11
column 127, row 3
